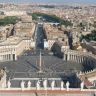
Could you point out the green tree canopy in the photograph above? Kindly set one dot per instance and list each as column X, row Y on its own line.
column 51, row 18
column 91, row 36
column 8, row 20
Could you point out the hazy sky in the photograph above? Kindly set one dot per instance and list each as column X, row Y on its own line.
column 47, row 1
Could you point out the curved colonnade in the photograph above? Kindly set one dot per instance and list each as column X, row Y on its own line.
column 87, row 59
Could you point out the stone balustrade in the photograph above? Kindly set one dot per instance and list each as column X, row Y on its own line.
column 45, row 86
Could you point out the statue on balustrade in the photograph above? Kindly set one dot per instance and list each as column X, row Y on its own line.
column 82, row 85
column 9, row 84
column 38, row 85
column 22, row 85
column 67, row 85
column 53, row 85
column 45, row 84
column 29, row 84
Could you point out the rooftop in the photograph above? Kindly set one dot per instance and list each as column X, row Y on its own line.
column 11, row 41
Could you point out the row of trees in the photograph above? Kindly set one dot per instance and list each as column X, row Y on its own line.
column 91, row 36
column 47, row 6
column 8, row 20
column 51, row 18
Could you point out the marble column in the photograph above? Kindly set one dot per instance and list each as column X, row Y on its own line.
column 73, row 57
column 68, row 57
column 77, row 59
column 11, row 56
column 7, row 57
column 81, row 59
column 4, row 57
column 64, row 58
column 15, row 57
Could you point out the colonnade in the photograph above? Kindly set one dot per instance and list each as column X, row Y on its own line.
column 74, row 57
column 83, row 58
column 7, row 57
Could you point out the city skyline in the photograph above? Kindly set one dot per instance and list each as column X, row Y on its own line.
column 48, row 47
column 49, row 1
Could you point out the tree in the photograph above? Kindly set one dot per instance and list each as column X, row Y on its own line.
column 8, row 20
column 51, row 18
column 91, row 36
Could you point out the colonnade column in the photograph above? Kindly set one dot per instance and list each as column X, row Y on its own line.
column 15, row 57
column 64, row 58
column 68, row 57
column 11, row 56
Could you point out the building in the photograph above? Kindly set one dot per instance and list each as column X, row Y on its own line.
column 53, row 35
column 14, row 13
column 5, row 31
column 13, row 47
column 16, row 38
column 90, row 46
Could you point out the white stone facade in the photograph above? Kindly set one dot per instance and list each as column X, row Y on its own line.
column 10, row 51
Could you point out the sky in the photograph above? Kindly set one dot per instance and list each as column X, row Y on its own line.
column 49, row 1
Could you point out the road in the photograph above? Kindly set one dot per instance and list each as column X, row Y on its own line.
column 39, row 37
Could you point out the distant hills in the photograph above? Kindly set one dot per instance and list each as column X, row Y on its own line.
column 50, row 1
